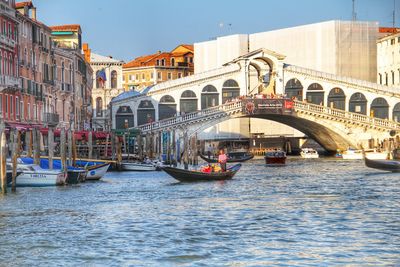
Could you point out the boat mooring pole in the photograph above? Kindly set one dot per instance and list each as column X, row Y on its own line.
column 69, row 147
column 90, row 144
column 63, row 151
column 15, row 154
column 50, row 136
column 36, row 146
column 185, row 151
column 28, row 141
column 174, row 157
column 3, row 156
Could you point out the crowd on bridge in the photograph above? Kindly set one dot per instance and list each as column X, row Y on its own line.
column 256, row 96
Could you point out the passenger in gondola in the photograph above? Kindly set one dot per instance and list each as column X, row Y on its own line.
column 222, row 158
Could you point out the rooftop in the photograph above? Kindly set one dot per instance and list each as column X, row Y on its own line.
column 96, row 58
column 23, row 4
column 67, row 27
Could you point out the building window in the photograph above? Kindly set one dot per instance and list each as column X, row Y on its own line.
column 159, row 75
column 392, row 77
column 191, row 59
column 380, row 78
column 143, row 76
column 152, row 75
column 392, row 41
column 179, row 75
column 99, row 107
column 386, row 79
column 114, row 76
column 137, row 77
column 157, row 62
column 17, row 106
column 172, row 62
column 162, row 62
column 130, row 77
column 169, row 76
column 11, row 105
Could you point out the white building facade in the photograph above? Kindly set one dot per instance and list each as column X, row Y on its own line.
column 388, row 58
column 104, row 90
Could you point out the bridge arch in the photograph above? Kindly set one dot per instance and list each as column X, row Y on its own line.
column 209, row 97
column 188, row 102
column 396, row 112
column 337, row 99
column 358, row 103
column 315, row 94
column 380, row 108
column 230, row 90
column 145, row 112
column 166, row 107
column 294, row 89
column 124, row 118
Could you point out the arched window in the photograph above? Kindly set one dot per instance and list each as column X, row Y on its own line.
column 124, row 118
column 396, row 112
column 337, row 99
column 358, row 103
column 294, row 89
column 11, row 67
column 114, row 77
column 5, row 65
column 315, row 94
column 97, row 80
column 188, row 102
column 145, row 112
column 230, row 90
column 209, row 97
column 380, row 108
column 99, row 107
column 166, row 107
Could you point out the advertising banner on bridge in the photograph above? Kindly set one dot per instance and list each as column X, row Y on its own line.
column 268, row 106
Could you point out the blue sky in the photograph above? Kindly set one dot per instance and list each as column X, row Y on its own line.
column 126, row 29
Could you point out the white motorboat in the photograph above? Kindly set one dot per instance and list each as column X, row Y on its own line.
column 96, row 172
column 139, row 166
column 309, row 153
column 358, row 154
column 34, row 175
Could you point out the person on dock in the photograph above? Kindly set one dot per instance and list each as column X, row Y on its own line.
column 222, row 158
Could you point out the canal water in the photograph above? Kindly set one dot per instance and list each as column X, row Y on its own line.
column 311, row 212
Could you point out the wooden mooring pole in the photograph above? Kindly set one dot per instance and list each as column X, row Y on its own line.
column 51, row 147
column 36, row 146
column 3, row 156
column 15, row 155
column 90, row 144
column 63, row 153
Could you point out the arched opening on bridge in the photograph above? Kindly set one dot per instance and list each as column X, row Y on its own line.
column 230, row 90
column 294, row 89
column 380, row 108
column 209, row 97
column 124, row 118
column 188, row 102
column 337, row 99
column 145, row 112
column 260, row 76
column 166, row 107
column 315, row 94
column 358, row 103
column 396, row 112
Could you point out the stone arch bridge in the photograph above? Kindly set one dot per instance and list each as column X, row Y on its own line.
column 335, row 111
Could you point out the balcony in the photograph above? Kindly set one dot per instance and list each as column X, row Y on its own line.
column 52, row 119
column 7, row 41
column 9, row 81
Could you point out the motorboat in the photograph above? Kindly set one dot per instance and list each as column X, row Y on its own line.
column 232, row 157
column 309, row 153
column 139, row 166
column 196, row 176
column 95, row 169
column 277, row 157
column 358, row 154
column 33, row 175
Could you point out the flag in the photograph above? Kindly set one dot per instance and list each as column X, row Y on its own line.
column 101, row 77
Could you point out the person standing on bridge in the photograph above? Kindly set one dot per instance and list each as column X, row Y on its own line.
column 222, row 158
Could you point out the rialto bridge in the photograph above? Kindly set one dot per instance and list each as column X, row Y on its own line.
column 335, row 111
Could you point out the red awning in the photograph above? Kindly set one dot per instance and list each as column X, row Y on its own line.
column 101, row 135
column 18, row 126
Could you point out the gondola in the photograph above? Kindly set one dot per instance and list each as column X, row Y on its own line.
column 383, row 164
column 232, row 157
column 195, row 176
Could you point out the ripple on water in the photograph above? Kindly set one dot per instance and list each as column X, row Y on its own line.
column 320, row 212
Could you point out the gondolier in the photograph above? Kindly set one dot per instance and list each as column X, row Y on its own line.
column 222, row 158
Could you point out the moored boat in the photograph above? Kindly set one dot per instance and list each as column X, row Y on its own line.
column 309, row 153
column 358, row 154
column 275, row 157
column 139, row 166
column 96, row 172
column 232, row 157
column 382, row 164
column 195, row 176
column 34, row 175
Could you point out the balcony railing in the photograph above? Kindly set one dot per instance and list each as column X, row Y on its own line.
column 7, row 41
column 51, row 119
column 9, row 81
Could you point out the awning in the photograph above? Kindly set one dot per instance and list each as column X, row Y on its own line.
column 18, row 126
column 101, row 135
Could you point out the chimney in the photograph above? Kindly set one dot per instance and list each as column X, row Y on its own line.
column 33, row 13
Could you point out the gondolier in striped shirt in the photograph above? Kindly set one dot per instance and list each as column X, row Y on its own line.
column 222, row 158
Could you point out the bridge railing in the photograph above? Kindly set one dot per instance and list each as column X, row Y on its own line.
column 341, row 114
column 201, row 114
column 361, row 83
